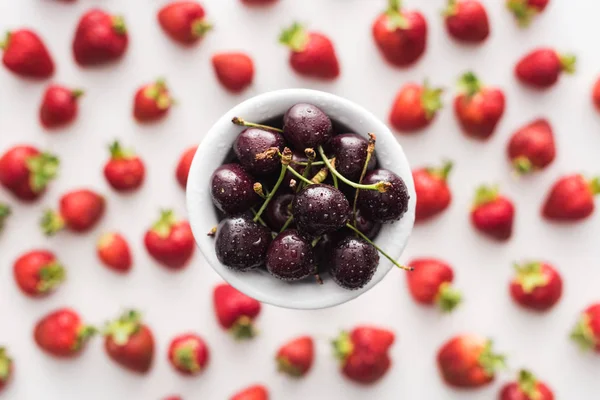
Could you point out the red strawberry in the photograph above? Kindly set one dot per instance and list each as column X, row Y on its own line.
column 170, row 241
column 363, row 353
column 415, row 107
column 189, row 354
column 235, row 311
column 433, row 194
column 38, row 273
column 6, row 368
column 100, row 38
column 312, row 55
column 25, row 171
column 152, row 102
column 130, row 343
column 537, row 286
column 26, row 55
column 255, row 392
column 183, row 166
column 467, row 361
column 79, row 211
column 114, row 252
column 173, row 398
column 62, row 333
column 183, row 21
column 295, row 358
column 431, row 283
column 525, row 10
column 596, row 95
column 527, row 387
column 542, row 67
column 124, row 171
column 478, row 108
column 4, row 213
column 587, row 331
column 59, row 106
column 492, row 213
column 571, row 199
column 400, row 35
column 235, row 71
column 258, row 2
column 467, row 21
column 532, row 147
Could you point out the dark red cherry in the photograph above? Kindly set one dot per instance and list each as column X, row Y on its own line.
column 384, row 207
column 350, row 152
column 297, row 156
column 278, row 211
column 232, row 189
column 290, row 256
column 251, row 142
column 241, row 244
column 369, row 228
column 306, row 126
column 319, row 209
column 353, row 262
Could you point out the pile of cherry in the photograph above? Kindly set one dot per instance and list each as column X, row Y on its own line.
column 326, row 214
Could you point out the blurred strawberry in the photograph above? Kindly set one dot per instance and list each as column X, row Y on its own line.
column 183, row 21
column 170, row 241
column 59, row 106
column 478, row 108
column 255, row 392
column 26, row 172
column 189, row 354
column 532, row 147
column 124, row 171
column 296, row 357
column 312, row 53
column 235, row 71
column 537, row 286
column 6, row 368
column 596, row 95
column 433, row 193
column 467, row 361
column 152, row 102
column 26, row 55
column 62, row 333
column 431, row 283
column 235, row 311
column 173, row 398
column 587, row 331
column 571, row 199
column 130, row 343
column 113, row 251
column 542, row 67
column 100, row 38
column 183, row 166
column 4, row 214
column 400, row 35
column 80, row 210
column 259, row 2
column 525, row 10
column 415, row 107
column 38, row 273
column 467, row 21
column 527, row 387
column 363, row 353
column 492, row 213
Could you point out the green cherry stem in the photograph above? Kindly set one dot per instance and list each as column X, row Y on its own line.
column 370, row 150
column 241, row 122
column 297, row 175
column 335, row 179
column 303, row 163
column 359, row 233
column 260, row 220
column 285, row 164
column 311, row 155
column 287, row 223
column 380, row 186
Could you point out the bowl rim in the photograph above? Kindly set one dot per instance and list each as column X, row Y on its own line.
column 199, row 178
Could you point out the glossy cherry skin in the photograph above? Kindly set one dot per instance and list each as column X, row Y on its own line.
column 319, row 209
column 350, row 152
column 290, row 256
column 306, row 126
column 384, row 207
column 232, row 189
column 353, row 262
column 251, row 142
column 241, row 244
column 278, row 211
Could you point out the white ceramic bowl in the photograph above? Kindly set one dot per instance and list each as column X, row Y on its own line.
column 215, row 147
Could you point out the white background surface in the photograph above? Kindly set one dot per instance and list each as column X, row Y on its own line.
column 178, row 302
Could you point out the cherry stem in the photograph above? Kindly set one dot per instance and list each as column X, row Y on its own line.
column 370, row 150
column 241, row 122
column 212, row 232
column 287, row 223
column 335, row 180
column 257, row 218
column 359, row 233
column 306, row 163
column 285, row 164
column 310, row 154
column 295, row 173
column 379, row 186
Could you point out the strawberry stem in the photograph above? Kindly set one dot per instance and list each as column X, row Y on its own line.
column 5, row 365
column 451, row 9
column 77, row 93
column 295, row 37
column 342, row 346
column 528, row 384
column 286, row 158
column 51, row 276
column 370, row 151
column 117, row 152
column 243, row 328
column 185, row 356
column 284, row 365
column 118, row 24
column 51, row 223
column 443, row 172
column 83, row 335
column 43, row 168
column 122, row 329
column 431, row 100
column 241, row 122
column 523, row 165
column 4, row 213
column 163, row 226
column 530, row 276
column 4, row 44
column 469, row 84
column 485, row 194
column 568, row 62
column 522, row 12
column 583, row 334
column 490, row 361
column 201, row 27
column 359, row 233
column 448, row 297
column 595, row 186
column 382, row 187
